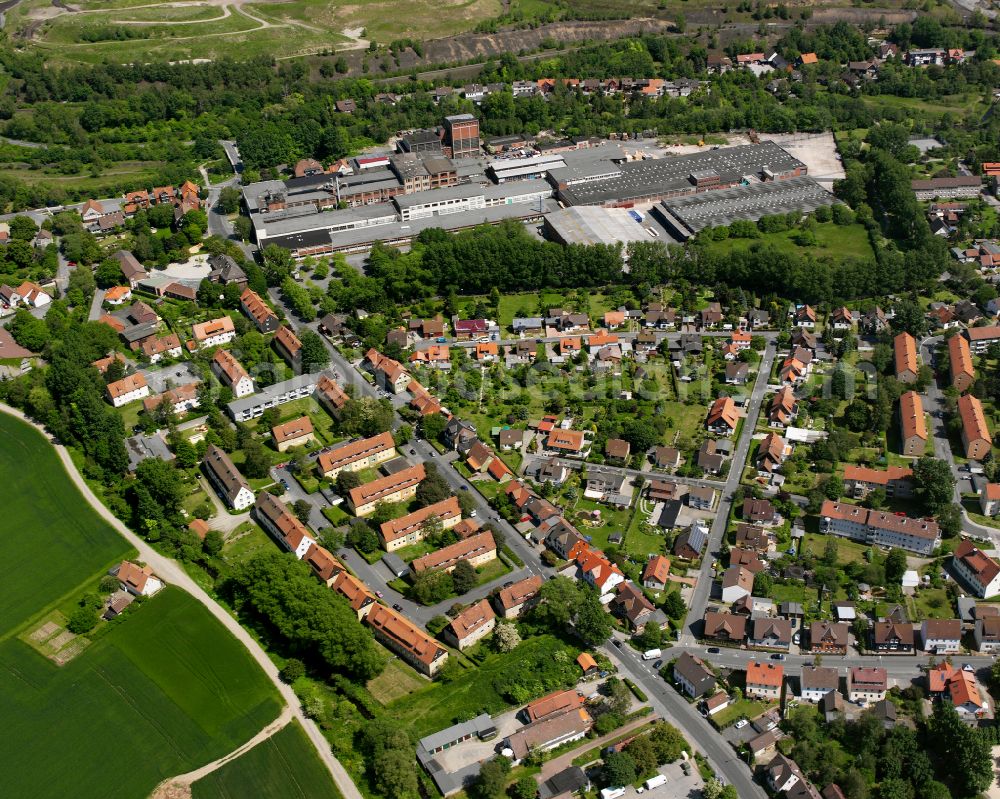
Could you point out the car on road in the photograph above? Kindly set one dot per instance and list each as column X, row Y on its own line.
column 464, row 488
column 378, row 594
column 658, row 664
column 713, row 650
column 413, row 451
column 777, row 656
column 398, row 607
column 741, row 724
column 284, row 483
column 508, row 584
column 617, row 643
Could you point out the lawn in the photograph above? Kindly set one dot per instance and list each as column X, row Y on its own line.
column 847, row 551
column 737, row 710
column 395, row 682
column 472, row 692
column 168, row 685
column 70, row 543
column 285, row 766
column 930, row 603
column 834, row 241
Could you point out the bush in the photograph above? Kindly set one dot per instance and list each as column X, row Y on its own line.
column 83, row 620
column 636, row 690
column 292, row 670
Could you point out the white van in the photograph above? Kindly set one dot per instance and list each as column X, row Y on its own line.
column 651, row 654
column 656, row 782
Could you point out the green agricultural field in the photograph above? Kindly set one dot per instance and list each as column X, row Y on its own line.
column 168, row 686
column 43, row 505
column 285, row 766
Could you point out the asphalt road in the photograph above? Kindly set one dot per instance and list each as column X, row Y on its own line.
column 935, row 405
column 675, row 709
column 700, row 595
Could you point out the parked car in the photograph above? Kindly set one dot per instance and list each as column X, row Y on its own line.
column 741, row 724
column 398, row 607
column 777, row 656
column 713, row 650
column 657, row 664
column 378, row 594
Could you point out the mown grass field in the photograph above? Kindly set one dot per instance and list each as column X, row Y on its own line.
column 51, row 541
column 832, row 241
column 472, row 692
column 285, row 766
column 164, row 692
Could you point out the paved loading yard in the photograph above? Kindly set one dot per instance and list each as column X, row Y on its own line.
column 818, row 151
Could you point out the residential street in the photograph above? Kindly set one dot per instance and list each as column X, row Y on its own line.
column 700, row 595
column 675, row 709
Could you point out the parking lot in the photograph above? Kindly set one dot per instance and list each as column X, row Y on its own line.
column 178, row 374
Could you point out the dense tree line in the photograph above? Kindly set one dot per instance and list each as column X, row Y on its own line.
column 313, row 622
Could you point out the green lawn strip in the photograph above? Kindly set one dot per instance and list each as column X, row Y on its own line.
column 847, row 551
column 594, row 754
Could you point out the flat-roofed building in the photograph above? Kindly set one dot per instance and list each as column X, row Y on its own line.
column 246, row 408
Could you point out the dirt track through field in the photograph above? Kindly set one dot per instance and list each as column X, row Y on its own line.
column 180, row 786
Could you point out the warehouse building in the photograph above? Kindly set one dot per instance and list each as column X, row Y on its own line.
column 683, row 217
column 652, row 180
column 592, row 224
column 453, row 208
